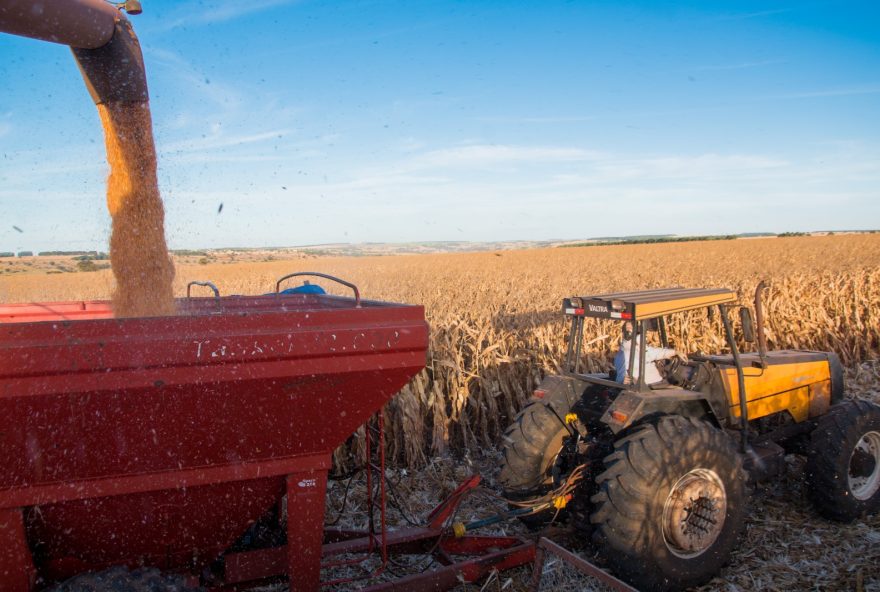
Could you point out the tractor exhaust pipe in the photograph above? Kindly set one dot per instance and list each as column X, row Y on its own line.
column 102, row 40
column 759, row 319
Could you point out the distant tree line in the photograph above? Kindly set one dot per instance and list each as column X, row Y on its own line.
column 77, row 255
column 652, row 240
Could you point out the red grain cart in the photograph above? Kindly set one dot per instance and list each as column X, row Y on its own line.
column 158, row 441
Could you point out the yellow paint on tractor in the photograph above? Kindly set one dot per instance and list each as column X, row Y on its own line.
column 649, row 304
column 803, row 389
column 648, row 310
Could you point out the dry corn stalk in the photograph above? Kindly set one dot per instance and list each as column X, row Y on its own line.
column 497, row 327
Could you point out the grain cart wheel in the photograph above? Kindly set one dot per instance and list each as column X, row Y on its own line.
column 843, row 462
column 530, row 446
column 671, row 503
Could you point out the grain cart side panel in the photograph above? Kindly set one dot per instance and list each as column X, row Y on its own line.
column 171, row 528
column 797, row 382
column 158, row 441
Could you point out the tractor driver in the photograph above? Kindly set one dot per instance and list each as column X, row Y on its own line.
column 652, row 354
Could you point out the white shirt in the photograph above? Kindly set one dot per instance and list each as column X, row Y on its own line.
column 652, row 354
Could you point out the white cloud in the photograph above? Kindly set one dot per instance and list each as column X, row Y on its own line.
column 408, row 145
column 194, row 80
column 384, row 182
column 750, row 15
column 226, row 10
column 270, row 146
column 738, row 66
column 218, row 140
column 202, row 12
column 482, row 191
column 494, row 154
column 868, row 89
column 537, row 119
column 702, row 166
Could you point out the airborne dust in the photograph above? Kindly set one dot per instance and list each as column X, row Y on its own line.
column 138, row 252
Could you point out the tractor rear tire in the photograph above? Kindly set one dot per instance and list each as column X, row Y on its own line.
column 530, row 446
column 843, row 462
column 670, row 504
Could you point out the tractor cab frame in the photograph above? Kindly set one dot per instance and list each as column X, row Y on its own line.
column 647, row 311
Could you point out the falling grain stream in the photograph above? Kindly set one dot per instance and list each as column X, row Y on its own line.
column 109, row 57
column 138, row 252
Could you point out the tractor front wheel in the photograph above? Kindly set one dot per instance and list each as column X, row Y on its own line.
column 671, row 503
column 530, row 447
column 843, row 462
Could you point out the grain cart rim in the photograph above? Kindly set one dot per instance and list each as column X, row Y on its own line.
column 864, row 467
column 694, row 512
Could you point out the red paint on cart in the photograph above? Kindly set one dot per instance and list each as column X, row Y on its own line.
column 158, row 441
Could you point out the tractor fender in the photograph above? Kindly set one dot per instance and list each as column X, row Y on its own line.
column 838, row 388
column 559, row 393
column 632, row 407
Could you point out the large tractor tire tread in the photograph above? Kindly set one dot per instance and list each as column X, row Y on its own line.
column 530, row 445
column 832, row 450
column 631, row 505
column 527, row 444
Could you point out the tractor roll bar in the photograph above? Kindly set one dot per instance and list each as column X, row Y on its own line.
column 759, row 319
column 740, row 380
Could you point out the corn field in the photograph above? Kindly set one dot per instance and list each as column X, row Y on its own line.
column 497, row 327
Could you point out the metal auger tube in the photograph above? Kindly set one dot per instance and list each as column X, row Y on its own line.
column 102, row 40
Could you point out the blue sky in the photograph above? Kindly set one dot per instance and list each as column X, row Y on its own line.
column 319, row 122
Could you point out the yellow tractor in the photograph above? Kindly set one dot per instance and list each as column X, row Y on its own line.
column 662, row 447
